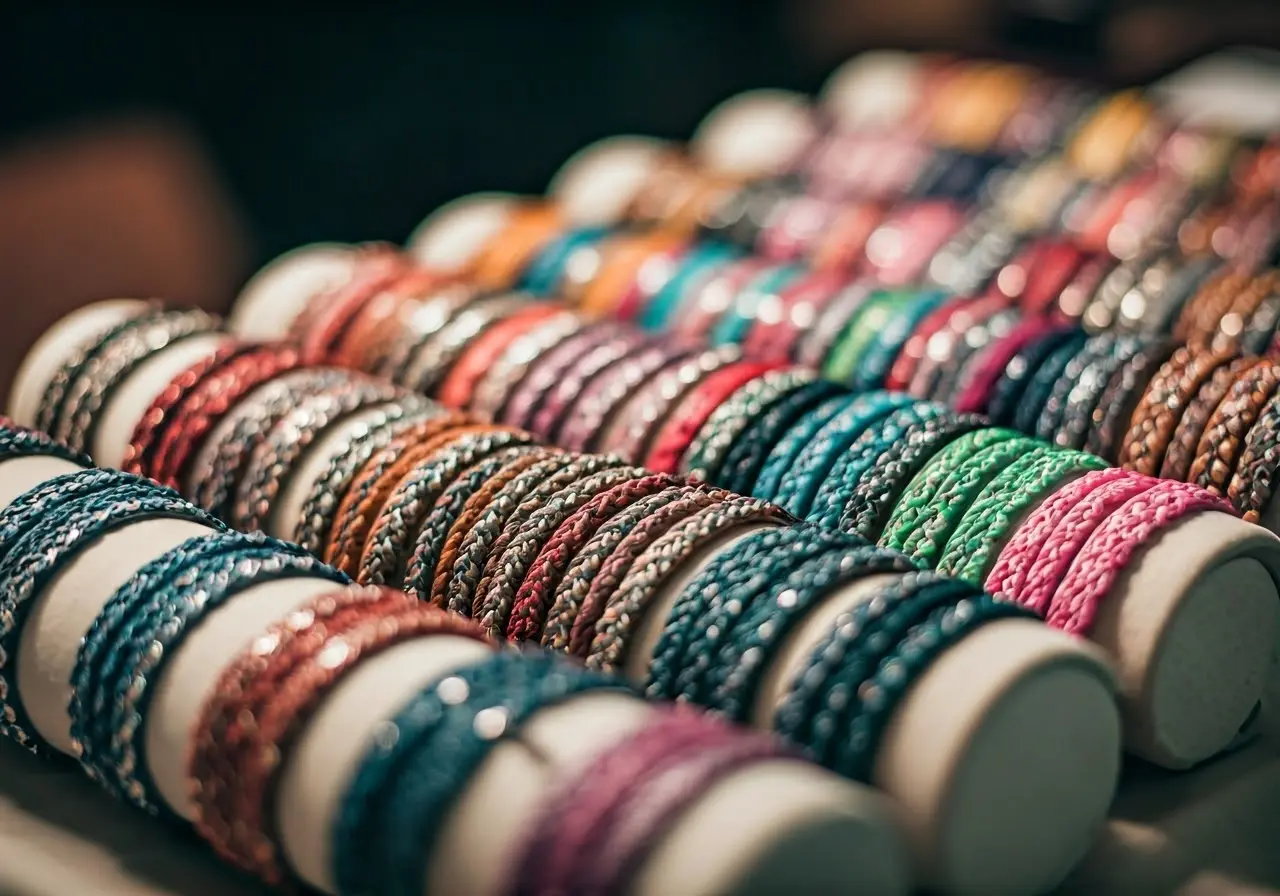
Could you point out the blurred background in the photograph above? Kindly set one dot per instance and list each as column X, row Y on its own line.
column 147, row 150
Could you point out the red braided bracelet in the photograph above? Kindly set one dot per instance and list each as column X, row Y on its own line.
column 672, row 440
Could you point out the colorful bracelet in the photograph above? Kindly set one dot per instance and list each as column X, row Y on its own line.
column 404, row 785
column 547, row 368
column 400, row 522
column 533, row 598
column 45, row 549
column 782, row 454
column 999, row 509
column 598, row 828
column 1224, row 435
column 1112, row 544
column 1036, row 559
column 623, row 552
column 505, row 570
column 569, row 600
column 1195, row 419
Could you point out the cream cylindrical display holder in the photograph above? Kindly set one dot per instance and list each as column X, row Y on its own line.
column 949, row 817
column 851, row 838
column 1192, row 662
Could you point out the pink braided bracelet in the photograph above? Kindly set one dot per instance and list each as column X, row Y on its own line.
column 1069, row 537
column 1113, row 544
column 1009, row 575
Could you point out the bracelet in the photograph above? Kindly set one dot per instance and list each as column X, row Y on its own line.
column 781, row 455
column 638, row 419
column 626, row 607
column 281, row 447
column 308, row 674
column 1042, row 382
column 1182, row 447
column 391, row 815
column 877, row 358
column 991, row 364
column 940, row 520
column 674, row 439
column 45, row 549
column 555, row 412
column 533, row 598
column 27, row 509
column 872, row 318
column 571, row 605
column 218, row 742
column 812, row 465
column 1120, row 398
column 16, row 441
column 735, row 324
column 458, row 387
column 92, row 384
column 919, row 341
column 962, row 317
column 869, row 506
column 923, row 488
column 732, row 415
column 401, row 520
column 407, row 519
column 457, row 587
column 856, row 461
column 882, row 693
column 999, row 508
column 53, row 402
column 193, row 418
column 588, row 416
column 1172, row 388
column 377, row 427
column 1006, row 397
column 954, row 375
column 215, row 470
column 547, row 367
column 375, row 324
column 1054, row 410
column 1112, row 544
column 707, row 311
column 741, row 664
column 119, row 759
column 816, row 345
column 1082, row 410
column 811, row 713
column 1042, row 550
column 1224, row 435
column 319, row 332
column 775, row 334
column 477, row 503
column 139, row 455
column 364, row 499
column 430, row 315
column 504, row 377
column 435, row 357
column 1252, row 482
column 703, row 618
column 507, row 565
column 599, row 827
column 746, row 456
column 546, row 270
column 692, row 270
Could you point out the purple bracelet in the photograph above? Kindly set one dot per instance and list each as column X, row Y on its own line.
column 587, row 417
column 546, row 372
column 614, row 349
column 596, row 832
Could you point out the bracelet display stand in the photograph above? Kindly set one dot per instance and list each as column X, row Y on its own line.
column 1191, row 626
column 846, row 834
column 1002, row 760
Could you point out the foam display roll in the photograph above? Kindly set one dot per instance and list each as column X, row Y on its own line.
column 1191, row 647
column 774, row 821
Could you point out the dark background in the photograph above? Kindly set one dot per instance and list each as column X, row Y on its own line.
column 153, row 150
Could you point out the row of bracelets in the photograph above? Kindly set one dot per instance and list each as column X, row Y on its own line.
column 570, row 549
column 597, row 825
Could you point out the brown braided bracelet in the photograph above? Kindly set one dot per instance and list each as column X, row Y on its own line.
column 1219, row 447
column 1182, row 447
